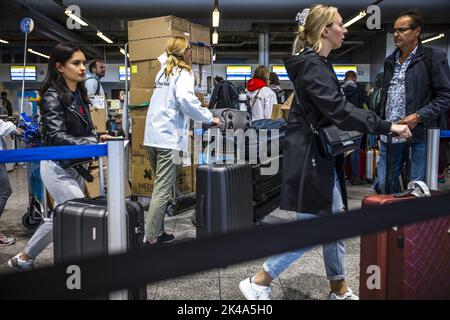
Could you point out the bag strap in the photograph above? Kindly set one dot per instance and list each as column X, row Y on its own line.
column 98, row 88
column 255, row 98
column 313, row 129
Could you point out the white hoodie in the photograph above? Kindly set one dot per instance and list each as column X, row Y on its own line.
column 172, row 105
column 6, row 128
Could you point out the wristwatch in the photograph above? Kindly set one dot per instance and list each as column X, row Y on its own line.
column 418, row 117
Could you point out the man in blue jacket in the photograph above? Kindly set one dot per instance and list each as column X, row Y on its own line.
column 416, row 92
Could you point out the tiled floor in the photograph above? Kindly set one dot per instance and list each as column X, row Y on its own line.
column 304, row 279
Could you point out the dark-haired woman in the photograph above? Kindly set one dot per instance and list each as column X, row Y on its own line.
column 66, row 121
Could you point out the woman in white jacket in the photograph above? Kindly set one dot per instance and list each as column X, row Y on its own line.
column 172, row 105
column 6, row 128
column 261, row 97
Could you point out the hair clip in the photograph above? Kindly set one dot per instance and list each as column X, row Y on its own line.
column 301, row 17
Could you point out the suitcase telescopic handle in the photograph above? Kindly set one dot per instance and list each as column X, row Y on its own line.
column 201, row 212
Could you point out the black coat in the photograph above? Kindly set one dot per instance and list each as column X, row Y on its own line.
column 63, row 124
column 427, row 87
column 308, row 178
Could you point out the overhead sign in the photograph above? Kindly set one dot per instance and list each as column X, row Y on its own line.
column 26, row 25
column 239, row 72
column 342, row 69
column 281, row 72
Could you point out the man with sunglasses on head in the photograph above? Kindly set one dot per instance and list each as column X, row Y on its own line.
column 415, row 92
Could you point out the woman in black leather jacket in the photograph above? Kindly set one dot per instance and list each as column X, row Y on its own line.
column 66, row 121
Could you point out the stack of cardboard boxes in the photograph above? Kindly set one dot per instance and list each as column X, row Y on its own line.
column 147, row 41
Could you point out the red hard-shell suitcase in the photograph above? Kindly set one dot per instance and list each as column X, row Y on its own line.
column 224, row 198
column 413, row 260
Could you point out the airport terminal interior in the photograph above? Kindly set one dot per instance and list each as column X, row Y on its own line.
column 228, row 42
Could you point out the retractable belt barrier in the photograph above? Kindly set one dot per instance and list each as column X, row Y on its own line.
column 53, row 153
column 109, row 273
column 445, row 134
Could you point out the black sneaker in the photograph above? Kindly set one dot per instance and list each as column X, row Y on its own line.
column 164, row 237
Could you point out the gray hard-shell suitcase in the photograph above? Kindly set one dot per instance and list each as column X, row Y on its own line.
column 224, row 198
column 81, row 231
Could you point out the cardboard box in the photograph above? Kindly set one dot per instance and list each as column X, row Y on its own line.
column 143, row 74
column 142, row 181
column 147, row 49
column 92, row 189
column 200, row 33
column 184, row 179
column 140, row 96
column 137, row 143
column 99, row 119
column 201, row 54
column 158, row 27
column 139, row 112
column 95, row 164
column 201, row 97
column 141, row 176
column 277, row 113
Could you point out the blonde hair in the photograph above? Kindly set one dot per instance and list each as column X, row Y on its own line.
column 262, row 72
column 310, row 33
column 175, row 48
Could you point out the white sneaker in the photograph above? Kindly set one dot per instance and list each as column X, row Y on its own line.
column 253, row 291
column 348, row 295
column 6, row 241
column 21, row 265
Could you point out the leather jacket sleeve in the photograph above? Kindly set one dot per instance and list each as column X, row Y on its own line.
column 54, row 123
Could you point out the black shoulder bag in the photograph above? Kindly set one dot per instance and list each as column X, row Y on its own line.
column 332, row 140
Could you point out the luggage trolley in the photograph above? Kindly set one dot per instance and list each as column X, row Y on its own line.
column 37, row 203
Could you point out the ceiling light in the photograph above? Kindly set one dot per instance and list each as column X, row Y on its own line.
column 3, row 41
column 360, row 15
column 122, row 51
column 38, row 53
column 101, row 35
column 74, row 17
column 215, row 37
column 215, row 18
column 441, row 35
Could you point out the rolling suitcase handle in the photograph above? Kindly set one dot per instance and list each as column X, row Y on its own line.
column 201, row 212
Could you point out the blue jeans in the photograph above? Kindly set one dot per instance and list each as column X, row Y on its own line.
column 418, row 164
column 333, row 253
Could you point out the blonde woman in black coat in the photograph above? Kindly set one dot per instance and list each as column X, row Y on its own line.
column 313, row 185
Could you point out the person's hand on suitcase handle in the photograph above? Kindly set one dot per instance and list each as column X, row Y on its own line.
column 215, row 122
column 401, row 130
column 411, row 121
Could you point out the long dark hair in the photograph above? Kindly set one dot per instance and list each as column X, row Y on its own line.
column 62, row 53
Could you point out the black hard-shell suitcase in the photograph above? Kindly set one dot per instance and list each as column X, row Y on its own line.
column 266, row 190
column 81, row 230
column 224, row 198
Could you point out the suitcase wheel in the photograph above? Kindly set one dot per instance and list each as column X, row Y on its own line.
column 31, row 221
